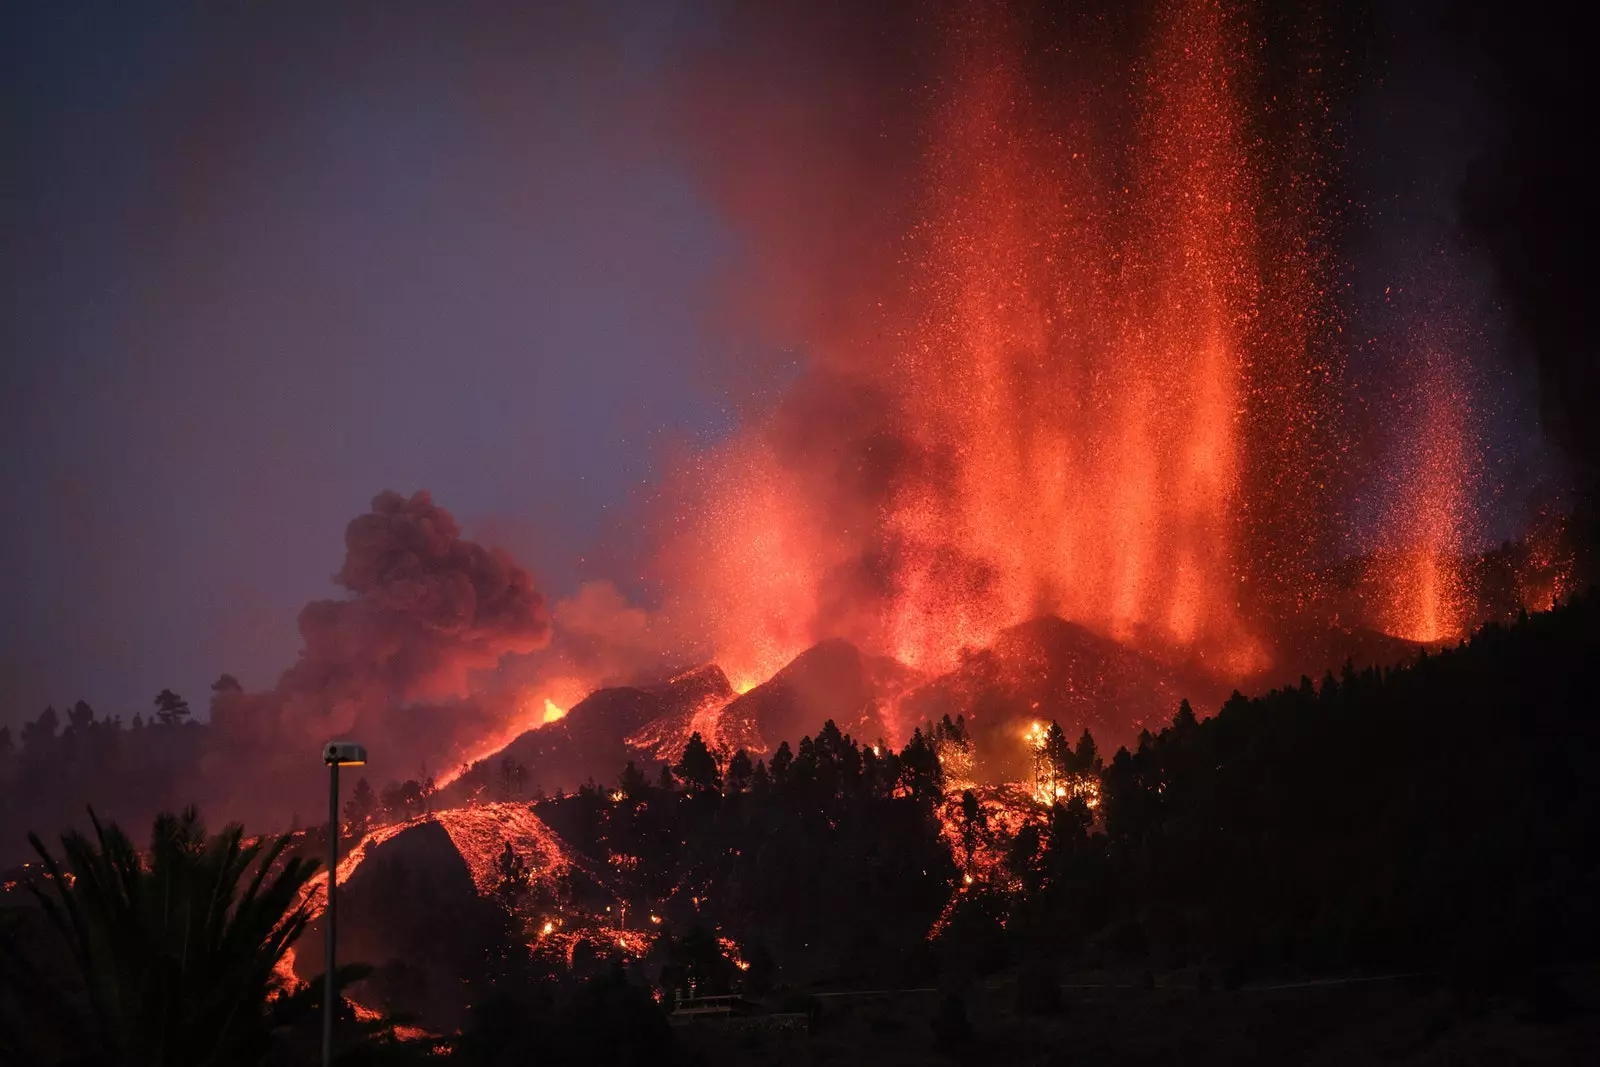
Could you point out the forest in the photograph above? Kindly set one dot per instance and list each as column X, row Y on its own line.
column 1428, row 820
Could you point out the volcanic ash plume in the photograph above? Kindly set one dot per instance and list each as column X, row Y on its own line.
column 426, row 608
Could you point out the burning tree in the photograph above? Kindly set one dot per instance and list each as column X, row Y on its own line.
column 953, row 744
column 1060, row 773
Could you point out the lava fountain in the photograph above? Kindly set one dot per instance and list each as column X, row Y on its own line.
column 1088, row 393
column 1421, row 583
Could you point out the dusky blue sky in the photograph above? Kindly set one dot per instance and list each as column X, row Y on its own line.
column 260, row 264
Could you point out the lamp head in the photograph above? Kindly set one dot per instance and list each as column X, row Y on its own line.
column 344, row 754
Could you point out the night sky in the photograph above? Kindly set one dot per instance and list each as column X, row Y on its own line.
column 260, row 266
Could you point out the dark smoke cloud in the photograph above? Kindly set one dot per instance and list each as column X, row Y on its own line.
column 390, row 664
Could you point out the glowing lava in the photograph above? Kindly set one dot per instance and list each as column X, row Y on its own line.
column 1089, row 398
column 527, row 718
column 1430, row 520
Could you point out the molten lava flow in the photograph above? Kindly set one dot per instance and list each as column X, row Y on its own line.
column 1068, row 411
column 533, row 711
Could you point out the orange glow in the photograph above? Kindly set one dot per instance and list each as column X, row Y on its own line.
column 1100, row 365
column 1430, row 520
column 533, row 711
column 1546, row 576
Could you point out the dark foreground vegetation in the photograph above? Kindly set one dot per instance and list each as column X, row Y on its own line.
column 1384, row 866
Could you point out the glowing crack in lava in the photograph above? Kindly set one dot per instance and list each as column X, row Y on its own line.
column 1098, row 385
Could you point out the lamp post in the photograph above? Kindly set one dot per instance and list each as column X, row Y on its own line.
column 335, row 754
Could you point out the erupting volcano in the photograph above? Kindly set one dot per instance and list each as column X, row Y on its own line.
column 1072, row 439
column 1102, row 387
column 1097, row 390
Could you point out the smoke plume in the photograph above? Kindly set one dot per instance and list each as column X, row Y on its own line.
column 389, row 664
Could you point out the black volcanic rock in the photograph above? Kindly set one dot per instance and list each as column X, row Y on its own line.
column 1311, row 650
column 1047, row 670
column 591, row 741
column 412, row 911
column 830, row 680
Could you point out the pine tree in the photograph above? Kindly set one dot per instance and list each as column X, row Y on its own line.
column 1088, row 756
column 973, row 823
column 698, row 767
column 782, row 760
column 760, row 781
column 171, row 709
column 739, row 772
column 80, row 717
column 633, row 783
column 361, row 807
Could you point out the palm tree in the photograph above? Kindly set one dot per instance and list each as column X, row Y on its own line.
column 174, row 955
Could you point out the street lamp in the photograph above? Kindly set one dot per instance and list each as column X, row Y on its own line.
column 335, row 754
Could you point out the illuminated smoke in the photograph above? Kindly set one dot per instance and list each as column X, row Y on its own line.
column 426, row 609
column 1085, row 387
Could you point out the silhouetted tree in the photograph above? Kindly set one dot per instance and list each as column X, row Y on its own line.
column 739, row 772
column 633, row 783
column 171, row 709
column 513, row 878
column 973, row 824
column 40, row 734
column 1184, row 720
column 80, row 717
column 1087, row 756
column 402, row 800
column 919, row 768
column 1022, row 857
column 782, row 760
column 698, row 768
column 361, row 807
